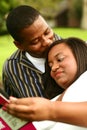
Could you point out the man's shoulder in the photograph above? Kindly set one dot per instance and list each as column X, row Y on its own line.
column 57, row 37
column 15, row 57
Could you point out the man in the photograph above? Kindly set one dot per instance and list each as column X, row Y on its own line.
column 23, row 71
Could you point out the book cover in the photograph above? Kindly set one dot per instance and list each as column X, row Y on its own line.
column 9, row 122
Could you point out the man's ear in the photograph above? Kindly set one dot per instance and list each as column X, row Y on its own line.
column 18, row 45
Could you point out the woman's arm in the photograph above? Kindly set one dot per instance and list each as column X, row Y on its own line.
column 38, row 109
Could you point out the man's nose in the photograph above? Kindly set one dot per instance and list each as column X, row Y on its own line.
column 46, row 41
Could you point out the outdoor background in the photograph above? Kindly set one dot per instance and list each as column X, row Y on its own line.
column 66, row 17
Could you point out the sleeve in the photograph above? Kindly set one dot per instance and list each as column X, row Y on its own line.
column 7, row 82
column 77, row 92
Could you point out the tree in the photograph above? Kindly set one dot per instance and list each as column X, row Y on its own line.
column 84, row 15
column 48, row 9
column 5, row 7
column 75, row 12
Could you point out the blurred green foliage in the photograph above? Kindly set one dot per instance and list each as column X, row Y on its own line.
column 5, row 7
column 48, row 8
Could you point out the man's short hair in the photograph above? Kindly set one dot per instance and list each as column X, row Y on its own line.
column 19, row 18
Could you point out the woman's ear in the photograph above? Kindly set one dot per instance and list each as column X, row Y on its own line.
column 18, row 45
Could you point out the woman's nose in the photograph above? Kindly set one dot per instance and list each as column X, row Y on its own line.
column 55, row 67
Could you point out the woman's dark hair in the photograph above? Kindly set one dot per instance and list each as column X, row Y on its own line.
column 19, row 18
column 79, row 50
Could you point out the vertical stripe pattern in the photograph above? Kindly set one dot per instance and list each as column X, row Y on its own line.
column 20, row 78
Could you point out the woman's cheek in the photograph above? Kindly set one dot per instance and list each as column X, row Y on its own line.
column 52, row 75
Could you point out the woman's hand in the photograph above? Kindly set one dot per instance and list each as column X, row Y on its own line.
column 37, row 109
column 30, row 108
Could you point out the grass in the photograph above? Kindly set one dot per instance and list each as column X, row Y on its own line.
column 72, row 32
column 7, row 47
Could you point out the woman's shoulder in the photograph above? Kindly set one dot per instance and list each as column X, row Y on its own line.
column 78, row 90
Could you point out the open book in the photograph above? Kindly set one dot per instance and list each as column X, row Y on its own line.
column 9, row 122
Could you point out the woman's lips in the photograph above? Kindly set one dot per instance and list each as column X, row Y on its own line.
column 58, row 74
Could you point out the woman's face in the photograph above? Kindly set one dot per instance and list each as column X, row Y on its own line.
column 63, row 65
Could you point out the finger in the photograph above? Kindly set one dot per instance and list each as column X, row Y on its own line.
column 18, row 108
column 21, row 112
column 12, row 99
column 22, row 101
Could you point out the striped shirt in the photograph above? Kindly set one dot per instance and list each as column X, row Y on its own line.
column 21, row 78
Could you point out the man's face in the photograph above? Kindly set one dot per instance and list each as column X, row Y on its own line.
column 37, row 38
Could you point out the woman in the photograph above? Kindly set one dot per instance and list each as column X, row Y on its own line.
column 66, row 64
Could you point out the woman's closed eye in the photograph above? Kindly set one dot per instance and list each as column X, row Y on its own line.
column 60, row 58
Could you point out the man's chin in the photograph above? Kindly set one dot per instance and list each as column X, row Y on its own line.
column 39, row 55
